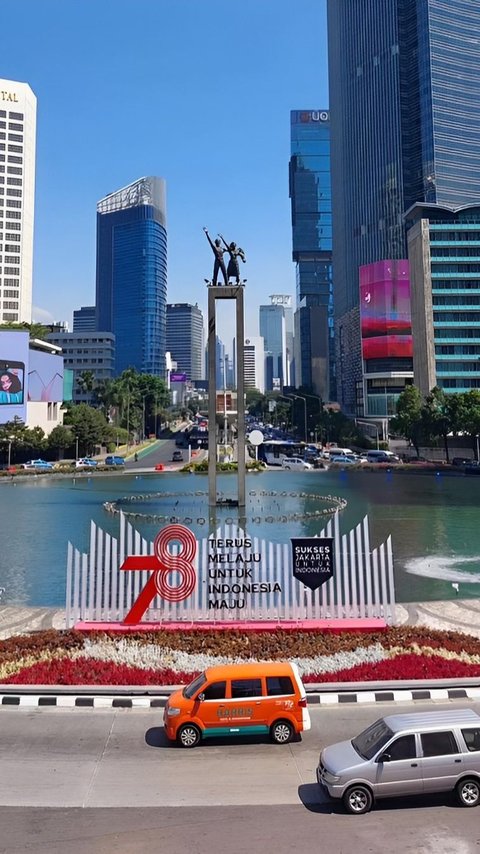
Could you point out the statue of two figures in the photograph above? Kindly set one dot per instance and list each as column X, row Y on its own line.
column 219, row 247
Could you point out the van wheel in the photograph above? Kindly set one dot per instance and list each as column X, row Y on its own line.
column 281, row 732
column 188, row 735
column 358, row 800
column 468, row 792
column 287, row 468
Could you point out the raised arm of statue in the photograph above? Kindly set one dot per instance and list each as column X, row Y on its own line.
column 209, row 238
column 224, row 241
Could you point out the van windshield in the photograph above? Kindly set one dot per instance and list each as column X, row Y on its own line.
column 190, row 690
column 372, row 739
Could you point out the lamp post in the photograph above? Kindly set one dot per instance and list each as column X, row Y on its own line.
column 10, row 440
column 317, row 398
column 76, row 448
column 144, row 397
column 305, row 413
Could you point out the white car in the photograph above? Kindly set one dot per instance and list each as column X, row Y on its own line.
column 346, row 459
column 295, row 463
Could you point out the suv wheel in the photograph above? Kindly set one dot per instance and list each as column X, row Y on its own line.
column 468, row 792
column 358, row 800
column 281, row 732
column 189, row 735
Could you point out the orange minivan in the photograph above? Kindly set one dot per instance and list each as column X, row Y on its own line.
column 239, row 699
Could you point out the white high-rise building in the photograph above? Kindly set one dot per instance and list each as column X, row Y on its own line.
column 254, row 355
column 18, row 119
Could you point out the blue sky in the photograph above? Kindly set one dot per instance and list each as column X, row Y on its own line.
column 196, row 91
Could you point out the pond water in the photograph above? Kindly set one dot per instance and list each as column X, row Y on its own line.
column 434, row 522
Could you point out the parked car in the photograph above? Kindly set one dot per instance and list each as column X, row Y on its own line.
column 239, row 699
column 38, row 465
column 345, row 459
column 114, row 461
column 177, row 457
column 472, row 467
column 462, row 461
column 406, row 754
column 382, row 457
column 85, row 462
column 295, row 463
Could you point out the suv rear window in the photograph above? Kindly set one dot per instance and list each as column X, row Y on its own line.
column 472, row 738
column 279, row 685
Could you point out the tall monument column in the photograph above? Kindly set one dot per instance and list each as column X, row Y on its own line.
column 230, row 292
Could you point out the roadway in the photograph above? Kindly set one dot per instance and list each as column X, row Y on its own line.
column 102, row 781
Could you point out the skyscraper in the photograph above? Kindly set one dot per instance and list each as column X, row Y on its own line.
column 85, row 319
column 185, row 338
column 311, row 206
column 18, row 116
column 132, row 274
column 405, row 125
column 273, row 331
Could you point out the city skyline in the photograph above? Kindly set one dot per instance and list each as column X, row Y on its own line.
column 135, row 111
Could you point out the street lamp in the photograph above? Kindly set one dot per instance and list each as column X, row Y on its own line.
column 320, row 405
column 76, row 447
column 10, row 440
column 305, row 413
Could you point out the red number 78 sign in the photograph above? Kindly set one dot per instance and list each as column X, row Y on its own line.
column 162, row 563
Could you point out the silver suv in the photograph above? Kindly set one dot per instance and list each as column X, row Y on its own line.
column 410, row 754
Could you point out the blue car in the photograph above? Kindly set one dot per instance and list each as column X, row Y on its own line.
column 114, row 461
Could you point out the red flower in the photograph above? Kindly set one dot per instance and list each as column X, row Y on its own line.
column 408, row 666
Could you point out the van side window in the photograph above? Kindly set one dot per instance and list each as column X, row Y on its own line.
column 438, row 743
column 402, row 748
column 279, row 685
column 215, row 691
column 472, row 738
column 246, row 688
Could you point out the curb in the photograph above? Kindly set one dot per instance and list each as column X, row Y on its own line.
column 100, row 701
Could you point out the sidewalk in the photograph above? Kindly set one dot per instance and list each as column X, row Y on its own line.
column 459, row 615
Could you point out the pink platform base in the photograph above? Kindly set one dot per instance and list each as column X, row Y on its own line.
column 334, row 626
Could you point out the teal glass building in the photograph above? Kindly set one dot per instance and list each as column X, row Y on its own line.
column 311, row 212
column 405, row 128
column 131, row 287
column 444, row 252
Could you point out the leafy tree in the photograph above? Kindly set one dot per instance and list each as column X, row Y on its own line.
column 86, row 382
column 408, row 420
column 60, row 438
column 469, row 416
column 440, row 415
column 88, row 425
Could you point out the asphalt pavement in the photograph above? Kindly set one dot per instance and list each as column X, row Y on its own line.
column 107, row 780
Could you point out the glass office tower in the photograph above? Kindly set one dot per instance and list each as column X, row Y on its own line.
column 132, row 274
column 185, row 338
column 311, row 205
column 405, row 127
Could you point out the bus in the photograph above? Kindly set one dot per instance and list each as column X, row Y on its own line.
column 275, row 451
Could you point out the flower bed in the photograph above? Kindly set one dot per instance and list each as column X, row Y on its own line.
column 172, row 658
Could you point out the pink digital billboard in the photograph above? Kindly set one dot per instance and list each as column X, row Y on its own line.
column 385, row 312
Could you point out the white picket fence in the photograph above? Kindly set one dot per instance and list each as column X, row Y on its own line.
column 362, row 585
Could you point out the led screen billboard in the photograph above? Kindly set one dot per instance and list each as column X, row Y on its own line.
column 13, row 359
column 385, row 312
column 45, row 377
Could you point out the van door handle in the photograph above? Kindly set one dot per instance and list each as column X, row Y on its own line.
column 457, row 760
column 414, row 765
column 258, row 702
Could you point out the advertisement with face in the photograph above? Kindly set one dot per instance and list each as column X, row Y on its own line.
column 385, row 311
column 13, row 358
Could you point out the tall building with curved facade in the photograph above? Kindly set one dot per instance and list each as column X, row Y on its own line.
column 131, row 290
column 405, row 129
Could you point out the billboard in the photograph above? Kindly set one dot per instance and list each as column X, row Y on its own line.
column 13, row 359
column 385, row 312
column 178, row 378
column 45, row 377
